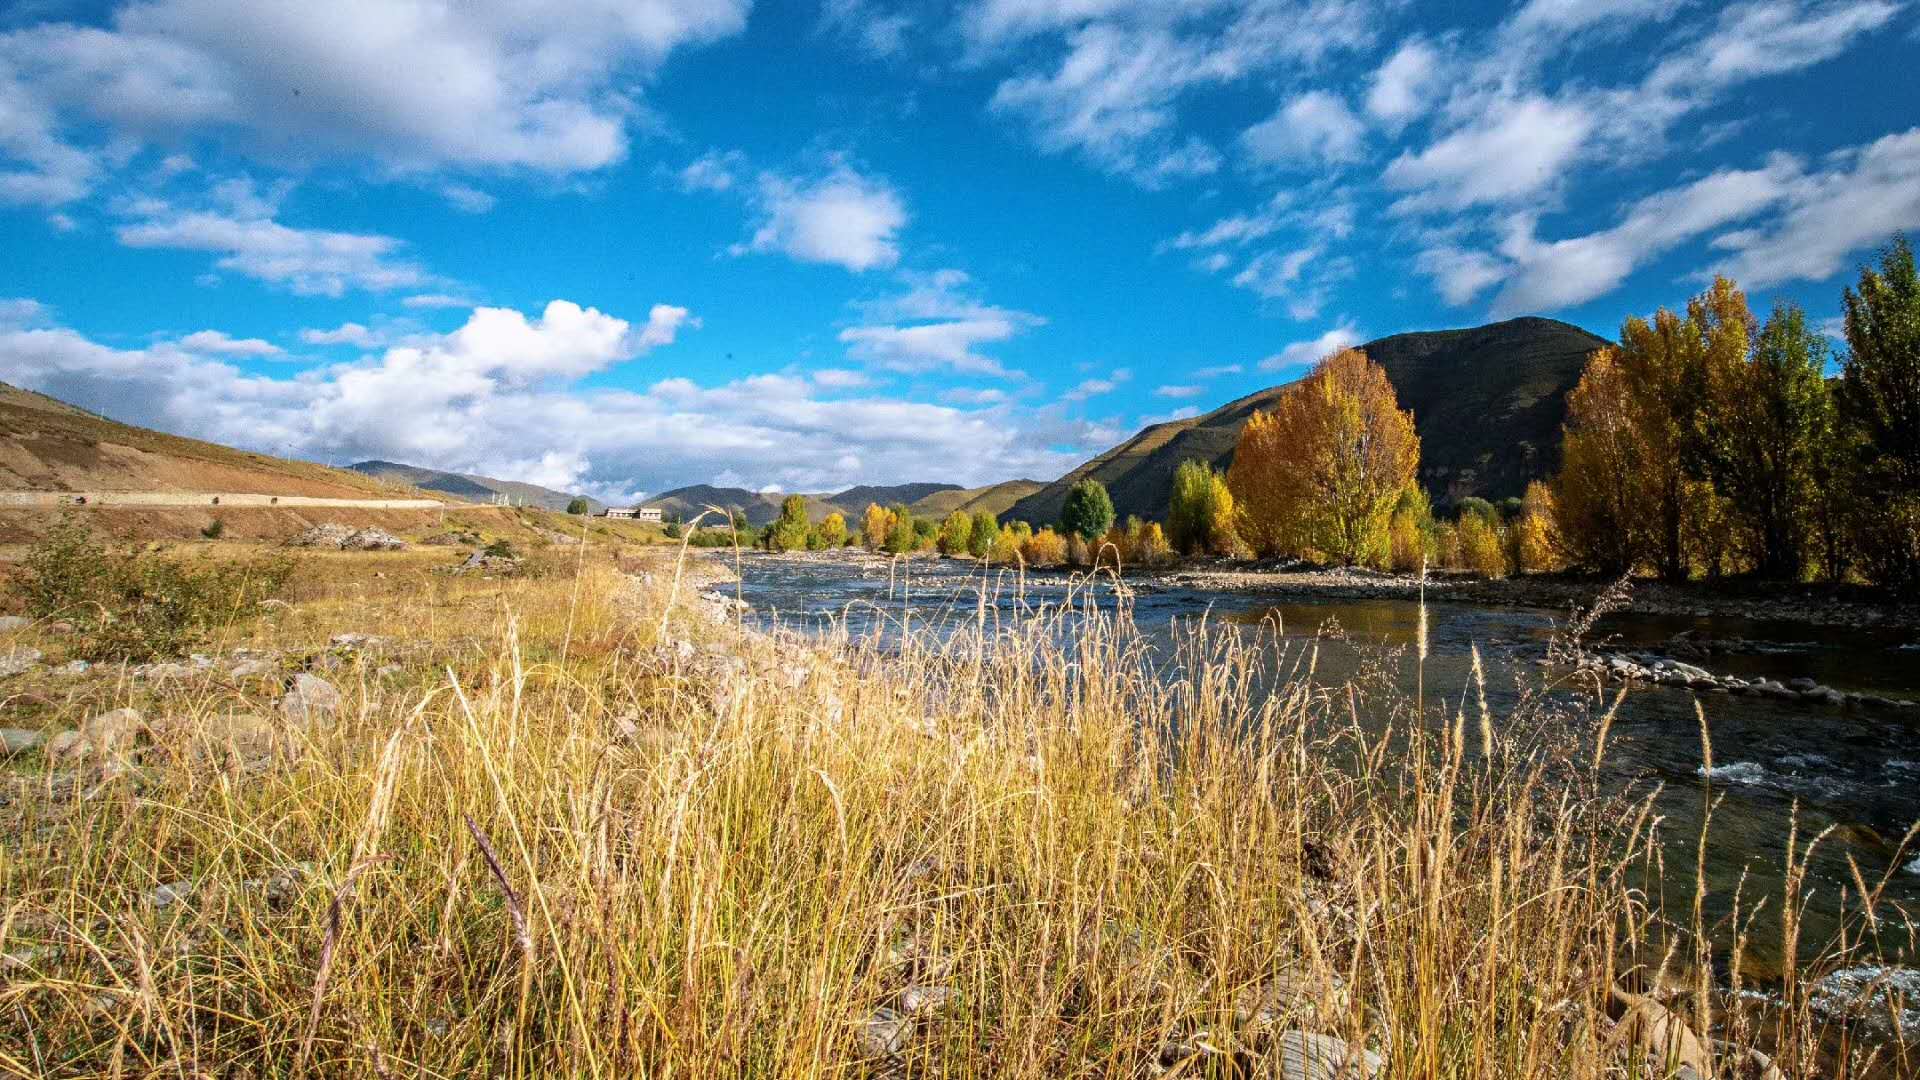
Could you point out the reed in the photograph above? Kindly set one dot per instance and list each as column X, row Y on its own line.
column 593, row 828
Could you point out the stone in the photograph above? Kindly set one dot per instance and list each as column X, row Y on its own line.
column 372, row 540
column 106, row 739
column 329, row 535
column 917, row 999
column 884, row 1033
column 1304, row 1055
column 1802, row 684
column 309, row 697
column 250, row 669
column 12, row 623
column 19, row 661
column 19, row 741
column 1660, row 1038
column 72, row 668
column 171, row 893
column 164, row 672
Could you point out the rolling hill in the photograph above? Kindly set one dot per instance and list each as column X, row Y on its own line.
column 1488, row 403
column 994, row 498
column 480, row 489
column 762, row 507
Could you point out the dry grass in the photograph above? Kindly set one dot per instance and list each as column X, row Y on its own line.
column 570, row 837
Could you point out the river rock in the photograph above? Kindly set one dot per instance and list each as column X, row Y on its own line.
column 1304, row 1055
column 19, row 741
column 309, row 698
column 105, row 739
column 1802, row 684
column 884, row 1033
column 19, row 661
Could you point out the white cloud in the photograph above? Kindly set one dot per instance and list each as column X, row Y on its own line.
column 1460, row 273
column 714, row 170
column 1218, row 370
column 1097, row 387
column 1558, row 18
column 1518, row 149
column 21, row 312
column 1401, row 87
column 1300, row 279
column 841, row 218
column 966, row 395
column 467, row 199
column 1301, row 353
column 1863, row 196
column 1313, row 128
column 841, row 379
column 410, row 84
column 1177, row 391
column 877, row 31
column 347, row 333
column 239, row 226
column 428, row 301
column 1758, row 39
column 219, row 343
column 935, row 324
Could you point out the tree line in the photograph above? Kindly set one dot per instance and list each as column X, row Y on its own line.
column 1705, row 443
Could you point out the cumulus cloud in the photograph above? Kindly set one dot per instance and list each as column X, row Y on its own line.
column 500, row 396
column 841, row 218
column 347, row 333
column 410, row 84
column 714, row 170
column 1302, row 353
column 219, row 343
column 1313, row 128
column 1098, row 386
column 1400, row 87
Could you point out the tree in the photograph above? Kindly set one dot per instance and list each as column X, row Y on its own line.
column 791, row 529
column 578, row 506
column 875, row 524
column 1324, row 469
column 1078, row 552
column 1410, row 531
column 1604, row 493
column 1010, row 542
column 1200, row 514
column 900, row 534
column 956, row 533
column 1151, row 549
column 1755, row 421
column 1044, row 548
column 1531, row 538
column 1879, row 408
column 832, row 531
column 1088, row 512
column 1480, row 546
column 986, row 529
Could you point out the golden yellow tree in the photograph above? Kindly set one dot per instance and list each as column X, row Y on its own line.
column 1606, row 493
column 1323, row 471
column 1532, row 535
column 875, row 526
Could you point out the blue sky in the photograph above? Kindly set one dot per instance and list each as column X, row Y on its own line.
column 619, row 246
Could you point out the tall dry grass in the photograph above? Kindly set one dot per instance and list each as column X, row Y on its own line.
column 580, row 836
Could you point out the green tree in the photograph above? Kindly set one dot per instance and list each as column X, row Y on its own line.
column 1200, row 514
column 986, row 529
column 956, row 533
column 1879, row 406
column 790, row 531
column 1088, row 512
column 901, row 534
column 578, row 505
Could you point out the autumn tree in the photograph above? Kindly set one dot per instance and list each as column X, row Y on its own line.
column 1879, row 407
column 1755, row 421
column 1410, row 530
column 1604, row 490
column 874, row 527
column 1044, row 548
column 1010, row 542
column 1481, row 548
column 1200, row 514
column 1151, row 549
column 1533, row 542
column 1088, row 512
column 986, row 529
column 1323, row 470
column 956, row 532
column 832, row 531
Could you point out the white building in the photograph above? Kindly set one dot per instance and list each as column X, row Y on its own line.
column 651, row 514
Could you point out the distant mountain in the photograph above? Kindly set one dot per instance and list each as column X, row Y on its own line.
column 480, row 489
column 1488, row 403
column 762, row 507
column 994, row 499
column 854, row 500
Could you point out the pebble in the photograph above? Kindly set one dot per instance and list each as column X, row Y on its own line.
column 309, row 698
column 19, row 661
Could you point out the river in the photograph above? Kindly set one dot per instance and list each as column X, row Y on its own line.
column 1856, row 770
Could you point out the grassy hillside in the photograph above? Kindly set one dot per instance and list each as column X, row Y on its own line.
column 1488, row 403
column 994, row 498
column 467, row 486
column 763, row 507
column 48, row 445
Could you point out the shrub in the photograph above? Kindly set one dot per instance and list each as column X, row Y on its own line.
column 1151, row 549
column 1481, row 548
column 126, row 604
column 1200, row 514
column 578, row 505
column 1078, row 553
column 214, row 529
column 501, row 549
column 1044, row 548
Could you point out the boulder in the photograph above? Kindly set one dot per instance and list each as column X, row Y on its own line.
column 309, row 698
column 104, row 739
column 329, row 535
column 1303, row 1055
column 372, row 540
column 19, row 741
column 18, row 661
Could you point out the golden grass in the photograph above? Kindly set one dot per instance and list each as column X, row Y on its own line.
column 572, row 838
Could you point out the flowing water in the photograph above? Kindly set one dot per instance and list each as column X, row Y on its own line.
column 1774, row 760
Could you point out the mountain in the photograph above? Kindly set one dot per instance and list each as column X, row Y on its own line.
column 763, row 507
column 1488, row 403
column 49, row 445
column 480, row 489
column 994, row 499
column 854, row 500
